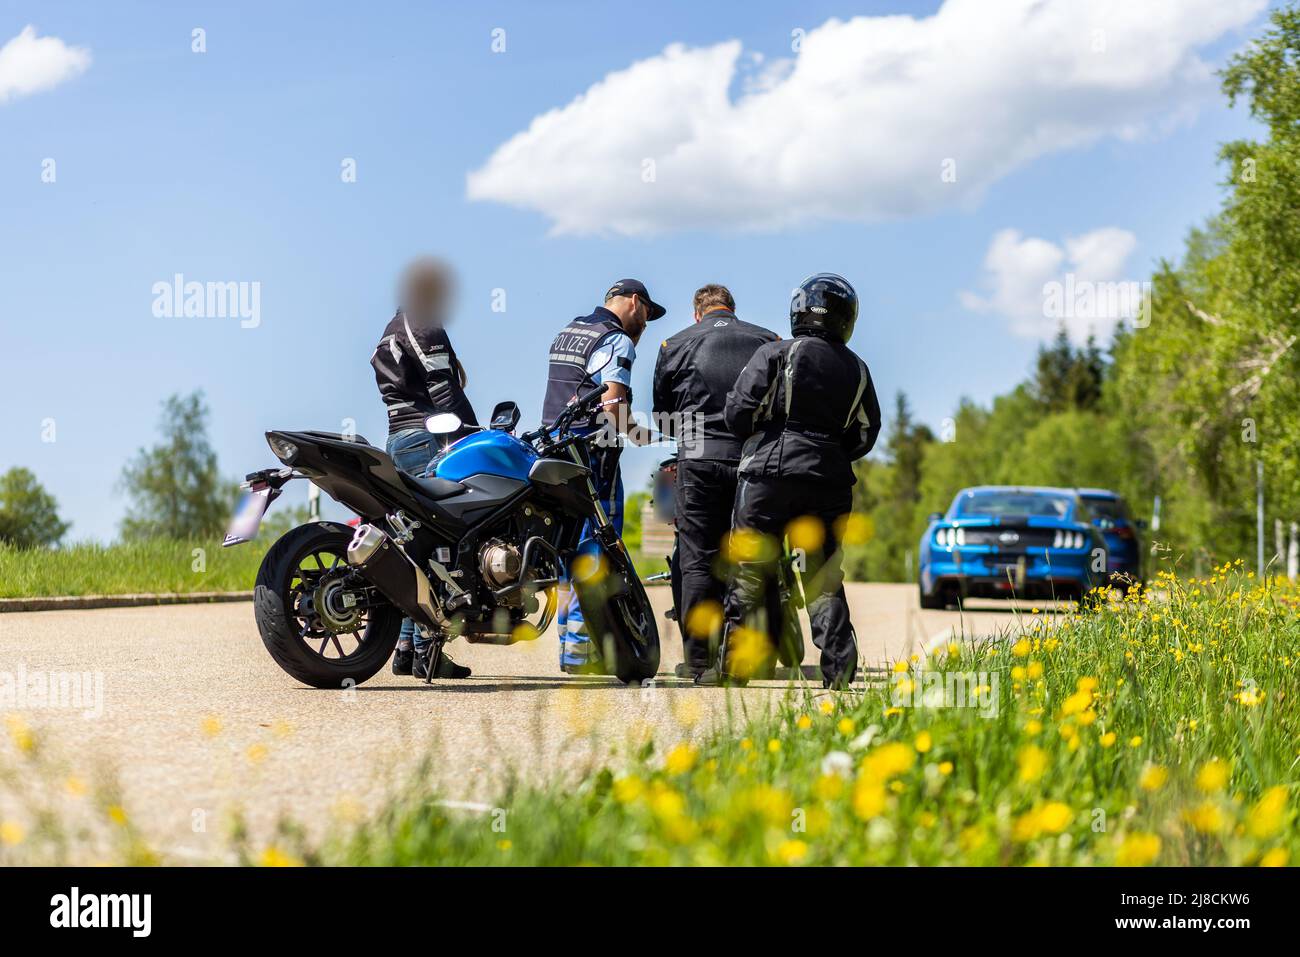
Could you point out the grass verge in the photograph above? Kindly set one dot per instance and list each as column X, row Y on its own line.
column 156, row 565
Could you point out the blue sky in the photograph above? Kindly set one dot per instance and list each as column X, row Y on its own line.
column 225, row 166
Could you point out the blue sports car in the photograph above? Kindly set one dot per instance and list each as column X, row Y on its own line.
column 1120, row 529
column 1002, row 541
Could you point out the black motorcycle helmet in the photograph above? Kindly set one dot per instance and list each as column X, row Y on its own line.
column 826, row 305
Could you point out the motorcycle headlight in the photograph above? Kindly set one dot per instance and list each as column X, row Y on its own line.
column 284, row 450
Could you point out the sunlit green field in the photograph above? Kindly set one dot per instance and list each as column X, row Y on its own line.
column 1134, row 733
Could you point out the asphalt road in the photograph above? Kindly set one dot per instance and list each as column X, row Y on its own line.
column 198, row 721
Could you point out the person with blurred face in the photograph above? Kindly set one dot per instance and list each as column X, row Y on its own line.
column 419, row 375
column 597, row 349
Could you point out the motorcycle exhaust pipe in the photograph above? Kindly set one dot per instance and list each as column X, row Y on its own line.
column 382, row 563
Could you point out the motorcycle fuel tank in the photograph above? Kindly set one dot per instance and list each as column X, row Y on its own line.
column 486, row 453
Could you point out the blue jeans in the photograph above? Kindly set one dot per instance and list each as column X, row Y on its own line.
column 411, row 450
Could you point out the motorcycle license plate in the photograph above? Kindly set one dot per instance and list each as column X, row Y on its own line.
column 247, row 519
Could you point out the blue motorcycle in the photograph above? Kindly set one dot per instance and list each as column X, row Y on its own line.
column 475, row 549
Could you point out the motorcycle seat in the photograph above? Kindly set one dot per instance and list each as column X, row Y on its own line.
column 432, row 487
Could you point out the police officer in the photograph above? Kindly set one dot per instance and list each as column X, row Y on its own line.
column 806, row 409
column 597, row 349
column 695, row 370
column 419, row 375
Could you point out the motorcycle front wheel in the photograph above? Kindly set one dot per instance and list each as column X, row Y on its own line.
column 618, row 614
column 308, row 613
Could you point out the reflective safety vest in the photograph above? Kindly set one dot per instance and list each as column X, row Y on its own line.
column 570, row 354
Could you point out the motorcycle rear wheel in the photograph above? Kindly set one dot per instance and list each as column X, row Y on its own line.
column 329, row 647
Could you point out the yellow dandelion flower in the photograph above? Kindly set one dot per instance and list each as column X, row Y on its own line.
column 792, row 852
column 868, row 798
column 1032, row 761
column 1205, row 817
column 1277, row 857
column 275, row 857
column 1138, row 849
column 1267, row 815
column 1213, row 776
column 12, row 833
column 680, row 759
column 923, row 742
column 806, row 533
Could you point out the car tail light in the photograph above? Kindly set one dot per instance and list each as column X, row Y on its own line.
column 1067, row 539
column 1124, row 531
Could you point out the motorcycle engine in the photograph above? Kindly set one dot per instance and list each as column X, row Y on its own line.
column 500, row 563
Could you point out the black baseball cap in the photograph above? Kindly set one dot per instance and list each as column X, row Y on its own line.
column 635, row 287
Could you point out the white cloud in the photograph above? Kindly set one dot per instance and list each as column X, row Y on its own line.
column 858, row 124
column 1038, row 285
column 31, row 64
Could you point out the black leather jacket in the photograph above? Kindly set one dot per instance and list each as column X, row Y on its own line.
column 418, row 375
column 806, row 409
column 693, row 373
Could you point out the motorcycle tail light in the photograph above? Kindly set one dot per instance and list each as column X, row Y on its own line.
column 284, row 450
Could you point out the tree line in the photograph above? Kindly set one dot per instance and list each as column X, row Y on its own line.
column 1185, row 407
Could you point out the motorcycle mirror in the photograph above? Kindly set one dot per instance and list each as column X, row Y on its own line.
column 442, row 423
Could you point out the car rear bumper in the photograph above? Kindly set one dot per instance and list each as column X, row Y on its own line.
column 1040, row 575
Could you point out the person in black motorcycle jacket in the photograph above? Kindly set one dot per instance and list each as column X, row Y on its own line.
column 695, row 369
column 419, row 375
column 806, row 410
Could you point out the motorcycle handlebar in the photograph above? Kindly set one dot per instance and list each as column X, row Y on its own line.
column 582, row 403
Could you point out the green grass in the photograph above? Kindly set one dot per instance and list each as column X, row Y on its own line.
column 158, row 565
column 1134, row 733
column 1141, row 730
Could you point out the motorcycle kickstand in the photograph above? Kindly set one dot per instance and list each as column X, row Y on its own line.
column 435, row 659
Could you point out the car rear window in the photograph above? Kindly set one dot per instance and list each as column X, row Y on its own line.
column 1111, row 508
column 1013, row 503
